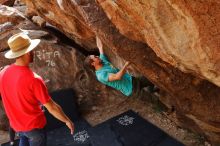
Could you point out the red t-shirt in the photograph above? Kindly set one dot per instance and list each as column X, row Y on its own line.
column 22, row 93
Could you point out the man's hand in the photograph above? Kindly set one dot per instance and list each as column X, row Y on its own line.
column 58, row 113
column 70, row 125
column 127, row 63
column 99, row 45
column 118, row 75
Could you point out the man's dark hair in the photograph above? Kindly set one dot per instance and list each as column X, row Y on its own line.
column 88, row 62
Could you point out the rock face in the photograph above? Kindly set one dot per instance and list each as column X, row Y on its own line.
column 3, row 118
column 7, row 2
column 183, row 57
column 184, row 38
column 75, row 27
column 183, row 33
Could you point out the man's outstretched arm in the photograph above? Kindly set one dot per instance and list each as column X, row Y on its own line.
column 99, row 45
column 58, row 113
column 118, row 75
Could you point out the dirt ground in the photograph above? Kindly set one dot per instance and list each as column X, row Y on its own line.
column 151, row 111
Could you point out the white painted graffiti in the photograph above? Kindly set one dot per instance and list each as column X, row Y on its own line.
column 47, row 56
column 125, row 120
column 81, row 136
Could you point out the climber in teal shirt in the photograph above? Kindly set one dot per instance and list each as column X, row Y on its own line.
column 107, row 74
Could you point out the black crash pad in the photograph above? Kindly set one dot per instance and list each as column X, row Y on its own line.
column 169, row 141
column 129, row 129
column 67, row 100
column 102, row 135
column 62, row 137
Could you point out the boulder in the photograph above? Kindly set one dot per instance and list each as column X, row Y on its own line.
column 7, row 2
column 174, row 43
column 70, row 22
column 11, row 21
column 4, row 125
column 183, row 33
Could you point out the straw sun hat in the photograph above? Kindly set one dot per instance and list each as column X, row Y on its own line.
column 20, row 44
